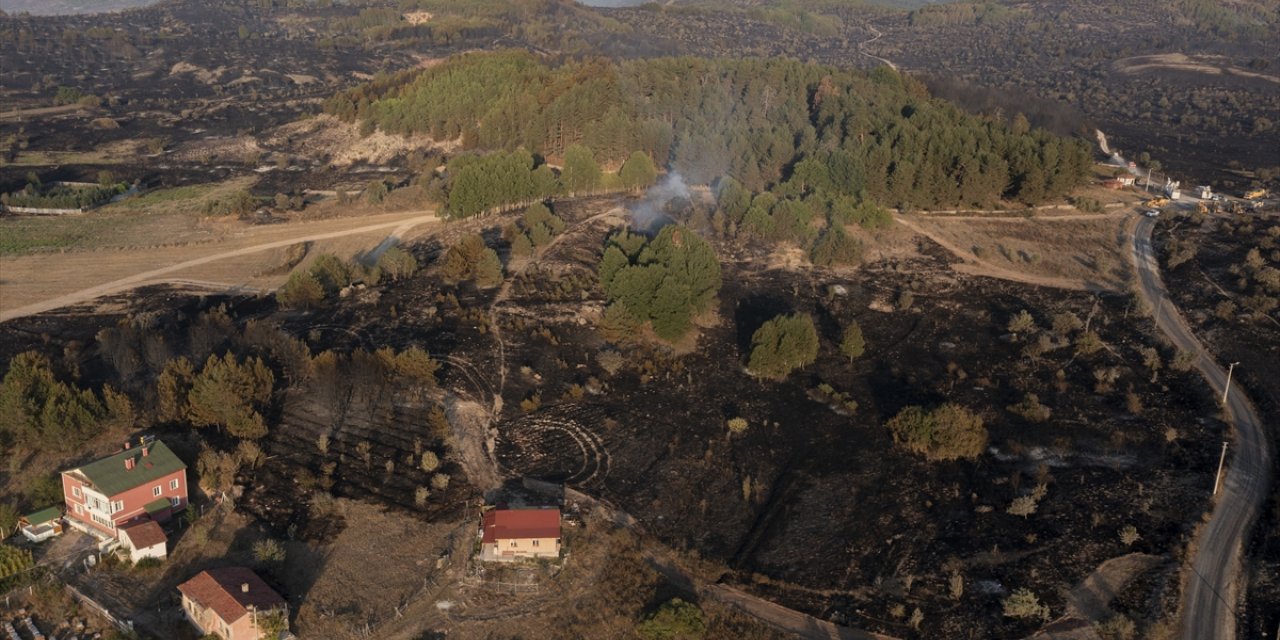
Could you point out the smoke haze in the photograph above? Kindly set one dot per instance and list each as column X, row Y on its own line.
column 650, row 214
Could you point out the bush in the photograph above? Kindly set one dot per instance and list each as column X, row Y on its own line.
column 301, row 291
column 1022, row 323
column 1117, row 628
column 783, row 345
column 852, row 344
column 269, row 551
column 397, row 264
column 1030, row 409
column 737, row 425
column 1023, row 603
column 674, row 620
column 1129, row 535
column 948, row 432
column 8, row 519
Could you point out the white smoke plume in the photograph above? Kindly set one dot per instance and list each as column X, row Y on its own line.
column 650, row 213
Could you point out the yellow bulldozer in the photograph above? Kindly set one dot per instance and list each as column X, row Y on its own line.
column 1255, row 194
column 1156, row 202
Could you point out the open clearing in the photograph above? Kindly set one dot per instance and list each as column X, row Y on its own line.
column 1076, row 252
column 43, row 282
column 1212, row 65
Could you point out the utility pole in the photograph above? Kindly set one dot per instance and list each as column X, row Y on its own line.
column 1228, row 387
column 1217, row 480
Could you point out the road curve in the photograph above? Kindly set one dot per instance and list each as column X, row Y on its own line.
column 1209, row 599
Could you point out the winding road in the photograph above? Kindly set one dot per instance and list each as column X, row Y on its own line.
column 1210, row 595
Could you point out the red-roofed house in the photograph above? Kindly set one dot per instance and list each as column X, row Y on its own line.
column 233, row 603
column 144, row 539
column 510, row 534
column 138, row 483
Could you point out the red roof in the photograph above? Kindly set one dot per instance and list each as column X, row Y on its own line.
column 521, row 524
column 223, row 591
column 145, row 534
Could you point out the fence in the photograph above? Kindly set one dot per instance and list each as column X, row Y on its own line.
column 92, row 605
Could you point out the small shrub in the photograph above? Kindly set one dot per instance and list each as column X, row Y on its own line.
column 674, row 620
column 440, row 481
column 269, row 551
column 1129, row 535
column 1024, row 604
column 1088, row 344
column 531, row 403
column 1022, row 323
column 1030, row 409
column 430, row 461
column 1184, row 361
column 420, row 496
column 737, row 425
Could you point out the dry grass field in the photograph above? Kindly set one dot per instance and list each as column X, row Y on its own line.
column 1071, row 251
column 237, row 256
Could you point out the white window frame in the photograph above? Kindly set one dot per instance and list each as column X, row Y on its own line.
column 75, row 491
column 173, row 484
column 79, row 511
column 117, row 506
column 156, row 491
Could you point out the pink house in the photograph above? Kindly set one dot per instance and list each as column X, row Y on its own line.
column 143, row 482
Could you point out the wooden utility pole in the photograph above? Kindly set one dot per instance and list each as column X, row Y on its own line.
column 1217, row 480
column 1228, row 386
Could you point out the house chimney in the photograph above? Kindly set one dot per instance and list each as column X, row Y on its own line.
column 128, row 463
column 244, row 587
column 127, row 444
column 146, row 451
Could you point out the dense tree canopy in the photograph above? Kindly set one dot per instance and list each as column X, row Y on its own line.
column 665, row 281
column 766, row 123
column 947, row 432
column 783, row 345
column 36, row 409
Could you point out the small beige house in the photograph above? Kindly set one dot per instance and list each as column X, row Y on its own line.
column 233, row 603
column 512, row 534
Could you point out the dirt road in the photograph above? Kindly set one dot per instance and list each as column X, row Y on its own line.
column 1210, row 596
column 43, row 282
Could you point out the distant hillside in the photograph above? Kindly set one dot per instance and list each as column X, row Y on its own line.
column 69, row 7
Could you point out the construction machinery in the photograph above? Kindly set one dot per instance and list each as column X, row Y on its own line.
column 1256, row 194
column 1156, row 202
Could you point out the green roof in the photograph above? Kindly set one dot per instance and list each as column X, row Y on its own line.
column 157, row 505
column 110, row 476
column 42, row 516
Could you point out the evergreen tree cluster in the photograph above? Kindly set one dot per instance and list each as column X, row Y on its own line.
column 665, row 281
column 820, row 130
column 782, row 345
column 61, row 196
column 470, row 259
column 225, row 393
column 534, row 229
column 37, row 410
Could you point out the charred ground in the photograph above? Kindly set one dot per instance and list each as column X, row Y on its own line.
column 811, row 506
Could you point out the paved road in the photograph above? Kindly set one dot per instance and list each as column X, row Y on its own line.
column 1209, row 601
